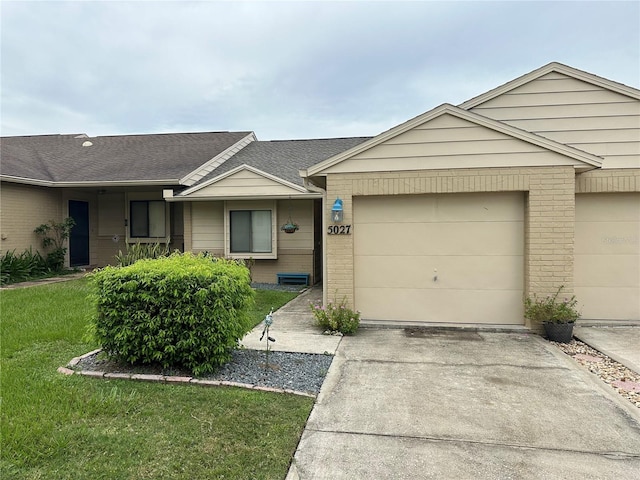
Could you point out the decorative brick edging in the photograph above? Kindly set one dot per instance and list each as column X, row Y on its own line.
column 140, row 377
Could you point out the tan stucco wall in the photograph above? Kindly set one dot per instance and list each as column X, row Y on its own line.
column 22, row 209
column 549, row 217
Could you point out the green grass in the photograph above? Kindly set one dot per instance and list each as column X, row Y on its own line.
column 55, row 426
column 267, row 299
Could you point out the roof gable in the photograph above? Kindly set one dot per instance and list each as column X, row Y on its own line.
column 442, row 150
column 243, row 181
column 551, row 68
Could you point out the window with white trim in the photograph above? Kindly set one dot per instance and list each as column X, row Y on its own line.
column 250, row 231
column 147, row 219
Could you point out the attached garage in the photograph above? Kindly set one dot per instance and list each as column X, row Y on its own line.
column 607, row 255
column 450, row 258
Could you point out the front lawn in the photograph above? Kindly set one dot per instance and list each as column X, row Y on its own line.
column 54, row 426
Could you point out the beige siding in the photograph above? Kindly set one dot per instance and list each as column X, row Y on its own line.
column 575, row 113
column 111, row 210
column 23, row 208
column 244, row 183
column 207, row 229
column 301, row 212
column 607, row 255
column 111, row 231
column 449, row 142
column 204, row 225
column 297, row 261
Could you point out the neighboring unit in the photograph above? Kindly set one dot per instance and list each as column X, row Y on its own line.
column 452, row 217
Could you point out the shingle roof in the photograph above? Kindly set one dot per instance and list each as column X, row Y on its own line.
column 63, row 158
column 284, row 158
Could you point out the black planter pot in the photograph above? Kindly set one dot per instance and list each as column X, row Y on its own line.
column 559, row 332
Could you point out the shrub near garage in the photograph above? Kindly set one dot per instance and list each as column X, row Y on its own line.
column 179, row 311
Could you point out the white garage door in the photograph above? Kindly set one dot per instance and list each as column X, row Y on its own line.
column 452, row 258
column 607, row 255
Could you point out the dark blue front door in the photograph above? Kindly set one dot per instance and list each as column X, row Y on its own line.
column 79, row 239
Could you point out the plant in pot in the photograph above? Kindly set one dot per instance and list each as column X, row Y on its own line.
column 558, row 316
column 290, row 227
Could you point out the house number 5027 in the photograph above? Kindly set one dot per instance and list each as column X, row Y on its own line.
column 339, row 229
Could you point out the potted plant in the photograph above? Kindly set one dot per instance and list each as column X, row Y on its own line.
column 289, row 227
column 557, row 316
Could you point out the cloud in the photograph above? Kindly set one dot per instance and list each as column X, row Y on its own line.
column 286, row 69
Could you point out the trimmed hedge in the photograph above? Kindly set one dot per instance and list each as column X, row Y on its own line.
column 179, row 311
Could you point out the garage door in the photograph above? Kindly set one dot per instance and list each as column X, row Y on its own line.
column 451, row 258
column 607, row 255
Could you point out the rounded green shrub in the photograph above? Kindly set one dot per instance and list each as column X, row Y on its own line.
column 183, row 310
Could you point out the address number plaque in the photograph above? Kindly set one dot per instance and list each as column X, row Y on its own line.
column 339, row 230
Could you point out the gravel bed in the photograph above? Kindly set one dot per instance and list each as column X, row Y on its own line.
column 303, row 372
column 611, row 372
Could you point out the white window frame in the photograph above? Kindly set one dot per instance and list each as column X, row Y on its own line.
column 232, row 206
column 146, row 197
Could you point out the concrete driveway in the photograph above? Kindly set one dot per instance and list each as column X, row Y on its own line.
column 464, row 405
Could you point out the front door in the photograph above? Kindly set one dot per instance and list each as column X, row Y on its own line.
column 317, row 241
column 79, row 238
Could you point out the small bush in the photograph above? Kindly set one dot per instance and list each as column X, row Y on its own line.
column 179, row 311
column 336, row 317
column 140, row 251
column 20, row 267
column 54, row 234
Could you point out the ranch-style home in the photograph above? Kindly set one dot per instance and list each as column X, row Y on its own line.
column 451, row 217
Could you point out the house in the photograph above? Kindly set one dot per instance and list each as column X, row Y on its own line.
column 451, row 217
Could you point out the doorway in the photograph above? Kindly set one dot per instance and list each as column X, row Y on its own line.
column 79, row 238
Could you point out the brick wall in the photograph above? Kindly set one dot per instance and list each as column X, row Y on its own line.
column 22, row 209
column 549, row 217
column 609, row 180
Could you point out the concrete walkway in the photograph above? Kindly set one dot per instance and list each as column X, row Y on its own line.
column 44, row 281
column 621, row 344
column 294, row 330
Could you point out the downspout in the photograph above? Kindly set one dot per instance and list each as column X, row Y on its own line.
column 314, row 188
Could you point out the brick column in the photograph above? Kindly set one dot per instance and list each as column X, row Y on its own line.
column 339, row 248
column 549, row 235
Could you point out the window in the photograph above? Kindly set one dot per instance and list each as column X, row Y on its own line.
column 147, row 219
column 250, row 231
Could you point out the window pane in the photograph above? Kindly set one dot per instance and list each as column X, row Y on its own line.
column 240, row 230
column 157, row 219
column 139, row 219
column 261, row 231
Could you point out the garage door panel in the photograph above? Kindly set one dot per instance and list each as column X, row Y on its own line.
column 475, row 208
column 440, row 238
column 622, row 303
column 607, row 255
column 474, row 241
column 607, row 237
column 440, row 208
column 442, row 306
column 608, row 270
column 604, row 207
column 493, row 273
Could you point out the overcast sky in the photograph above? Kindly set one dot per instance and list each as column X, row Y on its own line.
column 286, row 70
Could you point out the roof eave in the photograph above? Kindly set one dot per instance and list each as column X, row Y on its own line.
column 203, row 170
column 108, row 183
